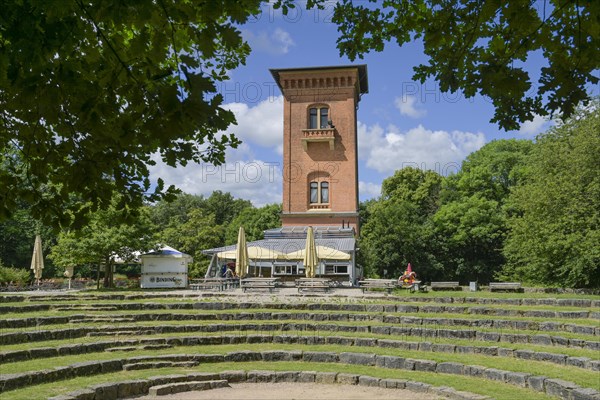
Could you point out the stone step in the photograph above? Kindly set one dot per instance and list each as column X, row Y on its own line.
column 97, row 320
column 158, row 364
column 119, row 333
column 180, row 387
column 125, row 348
column 155, row 346
column 86, row 308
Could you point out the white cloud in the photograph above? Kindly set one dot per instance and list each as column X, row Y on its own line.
column 261, row 124
column 442, row 151
column 531, row 128
column 369, row 189
column 277, row 42
column 256, row 180
column 407, row 105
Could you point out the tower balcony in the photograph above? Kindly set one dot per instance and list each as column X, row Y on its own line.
column 318, row 135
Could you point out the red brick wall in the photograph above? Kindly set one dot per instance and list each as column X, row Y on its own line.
column 338, row 90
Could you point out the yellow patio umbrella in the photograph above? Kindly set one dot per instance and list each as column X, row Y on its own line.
column 254, row 253
column 310, row 255
column 37, row 261
column 323, row 253
column 241, row 254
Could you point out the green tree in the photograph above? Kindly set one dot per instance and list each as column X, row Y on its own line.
column 418, row 187
column 555, row 214
column 255, row 221
column 91, row 92
column 481, row 47
column 103, row 240
column 470, row 225
column 166, row 213
column 199, row 232
column 396, row 228
column 224, row 206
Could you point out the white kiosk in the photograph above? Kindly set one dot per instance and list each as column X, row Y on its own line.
column 165, row 268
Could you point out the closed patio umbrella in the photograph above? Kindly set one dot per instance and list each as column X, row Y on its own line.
column 241, row 254
column 37, row 261
column 310, row 255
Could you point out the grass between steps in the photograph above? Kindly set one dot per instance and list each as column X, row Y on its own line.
column 466, row 316
column 569, row 351
column 580, row 376
column 500, row 391
column 233, row 323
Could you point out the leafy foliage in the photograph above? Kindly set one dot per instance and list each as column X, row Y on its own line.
column 396, row 224
column 555, row 213
column 193, row 223
column 470, row 226
column 13, row 275
column 255, row 221
column 104, row 240
column 200, row 231
column 91, row 93
column 481, row 47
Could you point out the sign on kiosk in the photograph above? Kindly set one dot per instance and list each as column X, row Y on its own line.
column 165, row 268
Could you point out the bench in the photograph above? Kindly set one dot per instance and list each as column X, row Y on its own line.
column 259, row 284
column 506, row 287
column 313, row 284
column 445, row 286
column 208, row 284
column 387, row 284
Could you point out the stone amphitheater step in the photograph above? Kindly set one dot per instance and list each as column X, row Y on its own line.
column 157, row 343
column 426, row 332
column 92, row 320
column 493, row 323
column 112, row 332
column 180, row 387
column 159, row 364
column 86, row 308
column 124, row 348
column 574, row 302
column 552, row 387
column 127, row 389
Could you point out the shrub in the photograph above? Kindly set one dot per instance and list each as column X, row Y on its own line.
column 14, row 275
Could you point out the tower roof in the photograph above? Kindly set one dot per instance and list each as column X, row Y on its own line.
column 362, row 73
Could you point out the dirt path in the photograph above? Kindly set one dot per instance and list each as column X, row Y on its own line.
column 297, row 391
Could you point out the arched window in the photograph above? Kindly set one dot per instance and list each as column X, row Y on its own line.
column 314, row 192
column 318, row 117
column 319, row 192
column 324, row 192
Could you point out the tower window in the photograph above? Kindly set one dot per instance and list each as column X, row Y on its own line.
column 319, row 192
column 324, row 192
column 318, row 117
column 314, row 192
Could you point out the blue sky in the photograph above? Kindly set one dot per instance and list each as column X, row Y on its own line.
column 400, row 122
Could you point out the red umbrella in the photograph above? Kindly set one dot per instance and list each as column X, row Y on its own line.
column 409, row 268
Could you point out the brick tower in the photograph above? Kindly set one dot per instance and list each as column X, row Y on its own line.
column 320, row 182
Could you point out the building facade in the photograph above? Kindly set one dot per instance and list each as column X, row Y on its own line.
column 320, row 165
column 320, row 174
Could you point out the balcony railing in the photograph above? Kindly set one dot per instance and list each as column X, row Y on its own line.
column 318, row 135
